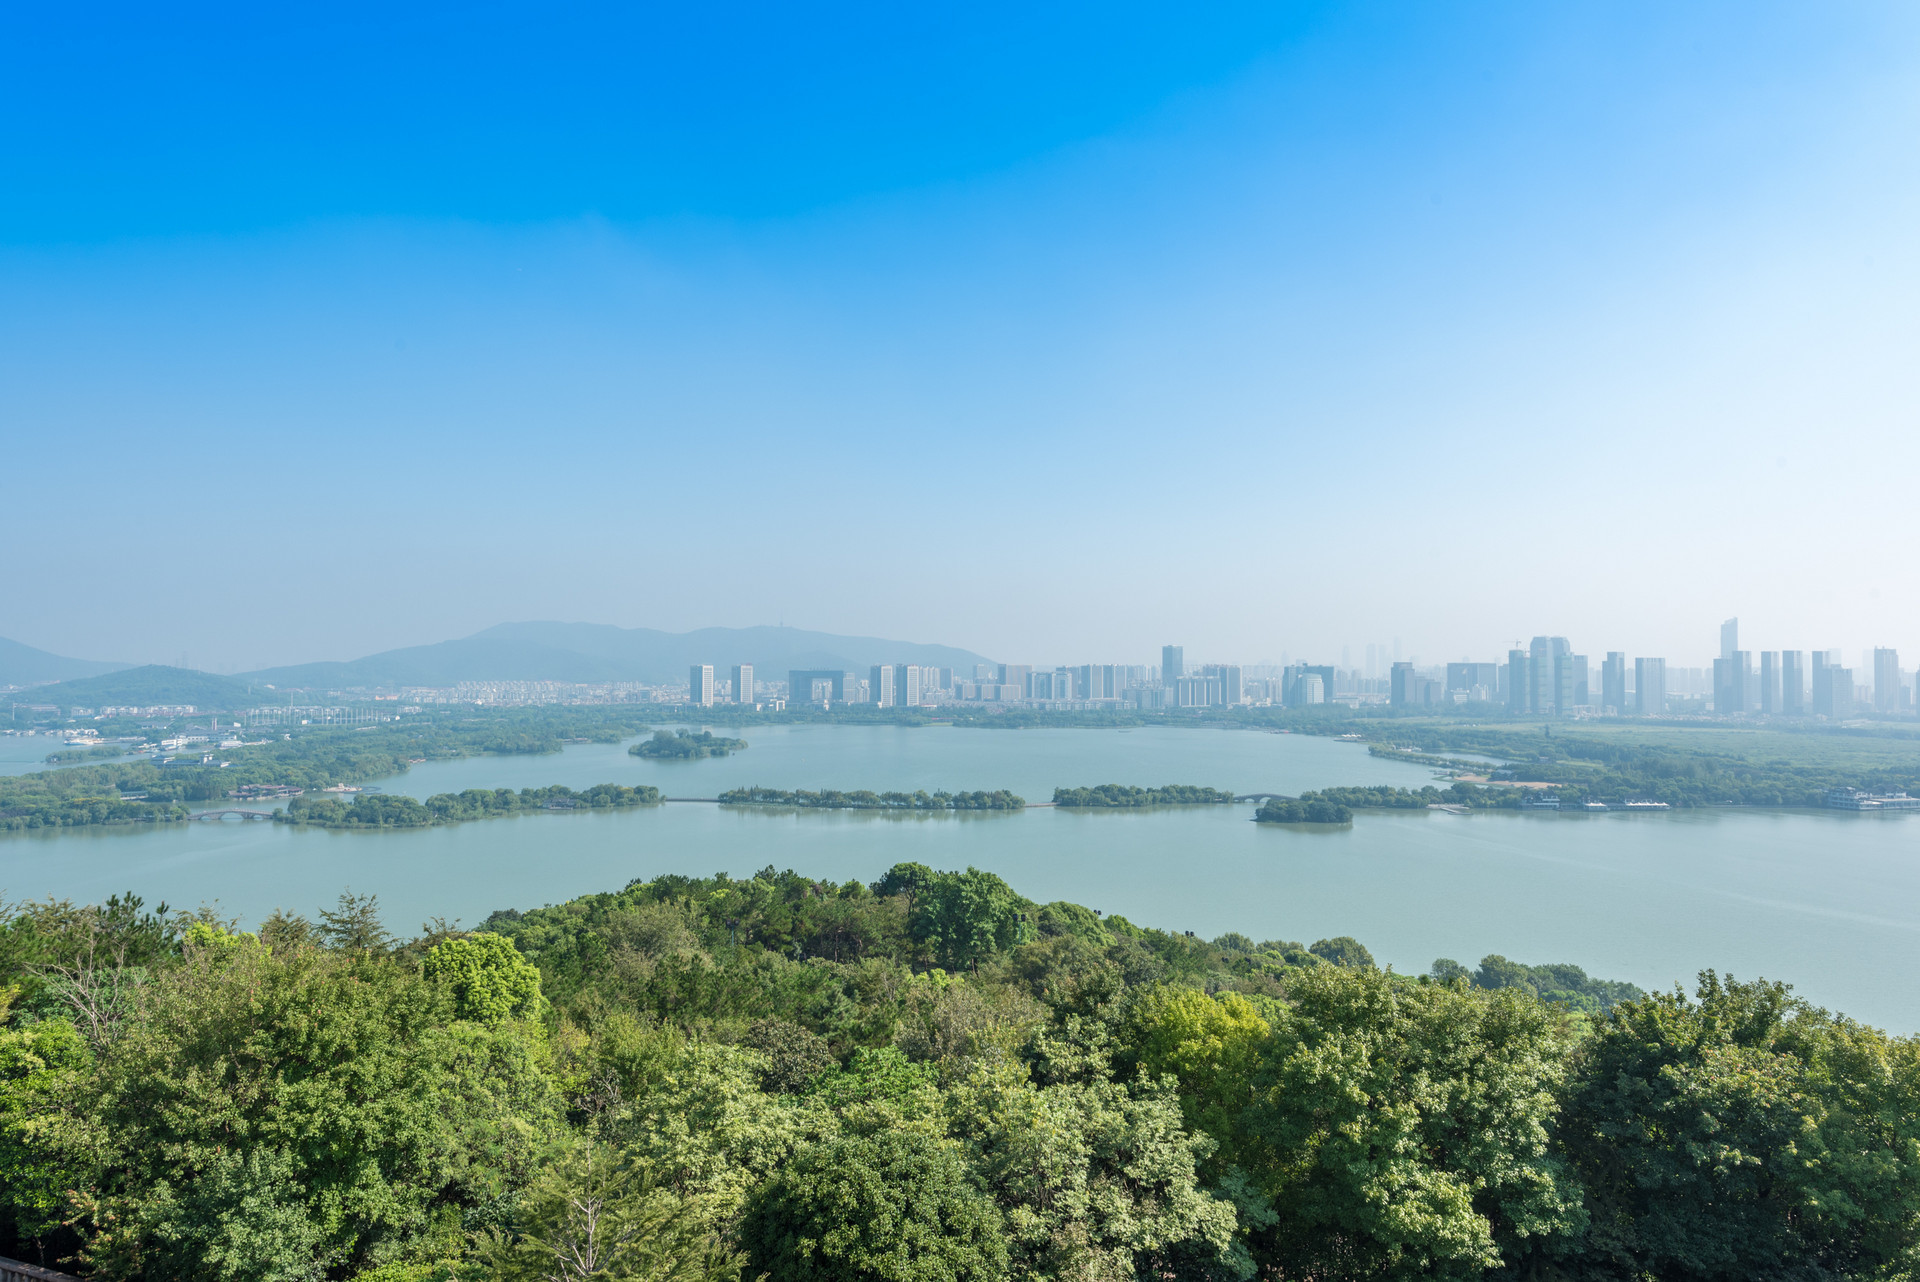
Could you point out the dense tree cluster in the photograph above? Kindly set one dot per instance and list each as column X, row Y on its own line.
column 381, row 810
column 929, row 1077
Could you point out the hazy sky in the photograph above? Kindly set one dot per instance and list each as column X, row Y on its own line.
column 1056, row 332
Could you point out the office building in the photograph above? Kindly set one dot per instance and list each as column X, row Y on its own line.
column 1308, row 690
column 1729, row 638
column 1650, row 687
column 1793, row 683
column 1017, row 675
column 743, row 683
column 700, row 685
column 1173, row 663
column 880, row 685
column 1582, row 688
column 1403, row 687
column 910, row 684
column 1613, row 682
column 1886, row 681
column 1769, row 700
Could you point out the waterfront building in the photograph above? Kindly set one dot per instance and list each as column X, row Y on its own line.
column 1613, row 682
column 1650, row 687
column 743, row 683
column 700, row 685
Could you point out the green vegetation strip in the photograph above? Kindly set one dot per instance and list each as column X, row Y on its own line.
column 305, row 757
column 1121, row 796
column 928, row 1076
column 684, row 745
column 378, row 810
column 863, row 800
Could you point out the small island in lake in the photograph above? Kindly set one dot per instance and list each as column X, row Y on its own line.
column 1116, row 795
column 1307, row 809
column 685, row 745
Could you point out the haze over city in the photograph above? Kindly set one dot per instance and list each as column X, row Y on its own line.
column 1280, row 330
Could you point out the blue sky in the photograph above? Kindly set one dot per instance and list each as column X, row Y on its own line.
column 1055, row 332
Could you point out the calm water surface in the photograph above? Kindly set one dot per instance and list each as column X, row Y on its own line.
column 1830, row 902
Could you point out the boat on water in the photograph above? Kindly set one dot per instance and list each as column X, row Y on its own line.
column 1648, row 805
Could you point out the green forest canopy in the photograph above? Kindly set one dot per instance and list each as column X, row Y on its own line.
column 928, row 1076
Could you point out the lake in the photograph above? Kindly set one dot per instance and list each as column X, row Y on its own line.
column 1829, row 901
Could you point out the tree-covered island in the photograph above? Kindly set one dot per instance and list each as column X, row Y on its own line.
column 1123, row 796
column 862, row 799
column 685, row 745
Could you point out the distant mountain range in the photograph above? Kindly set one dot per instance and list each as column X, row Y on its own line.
column 22, row 665
column 593, row 652
column 572, row 652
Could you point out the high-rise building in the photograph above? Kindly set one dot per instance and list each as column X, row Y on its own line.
column 1613, row 682
column 1019, row 675
column 1582, row 689
column 1295, row 686
column 1832, row 686
column 1730, row 683
column 1886, row 680
column 1729, row 638
column 1550, row 676
column 743, row 683
column 1403, row 687
column 908, row 680
column 880, row 685
column 1650, row 687
column 1793, row 683
column 1770, row 682
column 1173, row 663
column 700, row 685
column 1519, row 681
column 1230, row 681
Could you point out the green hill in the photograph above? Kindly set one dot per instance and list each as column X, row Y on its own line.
column 157, row 684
